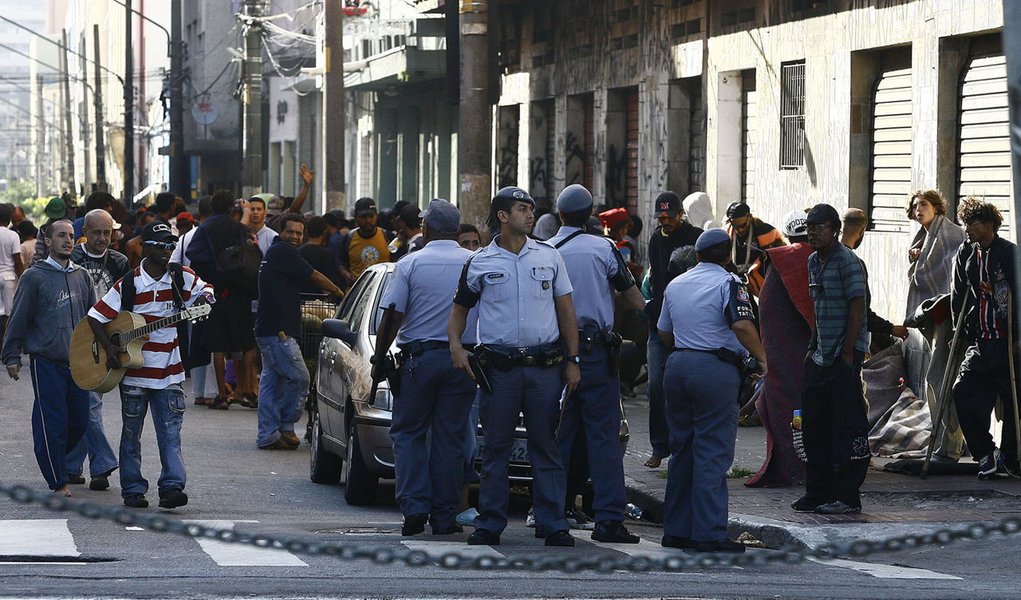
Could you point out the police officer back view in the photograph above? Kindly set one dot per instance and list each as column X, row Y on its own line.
column 524, row 297
column 597, row 269
column 707, row 318
column 434, row 395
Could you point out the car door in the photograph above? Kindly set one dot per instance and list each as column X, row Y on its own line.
column 331, row 382
column 343, row 370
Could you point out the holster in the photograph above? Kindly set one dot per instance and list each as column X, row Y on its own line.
column 505, row 359
column 591, row 337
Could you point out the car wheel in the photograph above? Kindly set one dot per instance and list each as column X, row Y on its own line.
column 323, row 465
column 360, row 484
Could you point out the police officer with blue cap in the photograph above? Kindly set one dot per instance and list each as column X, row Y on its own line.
column 430, row 412
column 707, row 319
column 528, row 346
column 597, row 270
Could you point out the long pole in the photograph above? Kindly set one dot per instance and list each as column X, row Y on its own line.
column 476, row 118
column 83, row 114
column 129, row 109
column 251, row 182
column 100, row 121
column 40, row 141
column 180, row 178
column 333, row 138
column 68, row 135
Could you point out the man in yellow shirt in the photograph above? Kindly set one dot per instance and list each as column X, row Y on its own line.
column 364, row 246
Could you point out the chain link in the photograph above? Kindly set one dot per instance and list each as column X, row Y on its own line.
column 599, row 563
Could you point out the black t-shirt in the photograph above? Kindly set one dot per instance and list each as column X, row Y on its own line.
column 660, row 248
column 322, row 260
column 282, row 272
column 105, row 270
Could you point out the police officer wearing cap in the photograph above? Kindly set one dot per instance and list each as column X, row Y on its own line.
column 707, row 319
column 528, row 343
column 597, row 270
column 431, row 409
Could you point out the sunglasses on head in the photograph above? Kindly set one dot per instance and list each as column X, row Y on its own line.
column 161, row 245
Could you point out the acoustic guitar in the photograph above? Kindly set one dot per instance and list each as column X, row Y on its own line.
column 129, row 332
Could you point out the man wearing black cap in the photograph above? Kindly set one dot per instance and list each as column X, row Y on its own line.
column 366, row 245
column 835, row 423
column 431, row 409
column 528, row 338
column 673, row 232
column 154, row 291
column 751, row 237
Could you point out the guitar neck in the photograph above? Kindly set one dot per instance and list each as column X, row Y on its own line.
column 151, row 327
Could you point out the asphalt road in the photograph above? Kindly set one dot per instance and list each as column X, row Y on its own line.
column 232, row 484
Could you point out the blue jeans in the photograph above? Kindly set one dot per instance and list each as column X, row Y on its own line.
column 60, row 416
column 102, row 459
column 167, row 407
column 283, row 387
column 659, row 433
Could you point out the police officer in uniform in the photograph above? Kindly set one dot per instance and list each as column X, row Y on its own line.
column 434, row 395
column 528, row 344
column 707, row 319
column 597, row 270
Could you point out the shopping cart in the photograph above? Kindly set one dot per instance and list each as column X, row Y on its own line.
column 314, row 309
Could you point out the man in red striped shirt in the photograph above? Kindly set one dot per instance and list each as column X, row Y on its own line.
column 152, row 291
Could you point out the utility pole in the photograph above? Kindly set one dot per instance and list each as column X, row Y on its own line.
column 65, row 91
column 40, row 141
column 251, row 178
column 474, row 143
column 180, row 177
column 100, row 125
column 333, row 132
column 83, row 114
column 129, row 109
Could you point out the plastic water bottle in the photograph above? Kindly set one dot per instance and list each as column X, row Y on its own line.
column 633, row 512
column 796, row 421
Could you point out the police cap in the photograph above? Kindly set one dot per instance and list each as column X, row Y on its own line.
column 514, row 193
column 711, row 237
column 574, row 198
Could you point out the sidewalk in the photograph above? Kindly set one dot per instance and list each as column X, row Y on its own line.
column 893, row 503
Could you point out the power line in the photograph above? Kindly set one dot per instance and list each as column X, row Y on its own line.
column 62, row 47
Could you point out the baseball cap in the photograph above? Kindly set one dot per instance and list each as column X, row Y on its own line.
column 275, row 205
column 514, row 193
column 668, row 203
column 442, row 216
column 710, row 238
column 795, row 224
column 822, row 214
column 736, row 210
column 613, row 217
column 365, row 206
column 574, row 198
column 412, row 216
column 185, row 216
column 158, row 231
column 55, row 208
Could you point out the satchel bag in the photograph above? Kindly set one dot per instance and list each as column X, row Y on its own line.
column 239, row 265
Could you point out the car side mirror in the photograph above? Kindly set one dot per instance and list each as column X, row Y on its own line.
column 338, row 329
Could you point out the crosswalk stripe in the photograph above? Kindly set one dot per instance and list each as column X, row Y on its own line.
column 37, row 537
column 240, row 555
column 436, row 548
column 644, row 548
column 883, row 571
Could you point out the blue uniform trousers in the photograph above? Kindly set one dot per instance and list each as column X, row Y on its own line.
column 60, row 416
column 428, row 431
column 659, row 433
column 536, row 392
column 593, row 411
column 102, row 459
column 701, row 401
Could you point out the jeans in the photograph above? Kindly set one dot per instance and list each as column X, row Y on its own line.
column 659, row 433
column 102, row 459
column 167, row 407
column 60, row 416
column 283, row 387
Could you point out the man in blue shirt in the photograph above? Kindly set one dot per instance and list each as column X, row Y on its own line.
column 597, row 270
column 526, row 326
column 435, row 396
column 835, row 423
column 707, row 320
column 284, row 381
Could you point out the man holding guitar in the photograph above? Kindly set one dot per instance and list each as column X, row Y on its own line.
column 51, row 298
column 154, row 292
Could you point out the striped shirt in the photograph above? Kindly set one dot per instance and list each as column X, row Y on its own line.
column 154, row 299
column 833, row 283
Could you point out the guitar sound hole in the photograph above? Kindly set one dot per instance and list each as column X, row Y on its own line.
column 115, row 339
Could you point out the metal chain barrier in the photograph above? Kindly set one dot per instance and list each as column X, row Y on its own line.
column 600, row 563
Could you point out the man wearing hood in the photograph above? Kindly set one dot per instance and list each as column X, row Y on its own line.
column 51, row 298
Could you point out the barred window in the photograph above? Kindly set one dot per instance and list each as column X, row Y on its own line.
column 792, row 115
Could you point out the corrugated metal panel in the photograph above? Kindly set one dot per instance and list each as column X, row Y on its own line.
column 749, row 123
column 891, row 150
column 983, row 166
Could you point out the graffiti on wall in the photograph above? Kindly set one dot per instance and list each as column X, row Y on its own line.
column 574, row 159
column 507, row 148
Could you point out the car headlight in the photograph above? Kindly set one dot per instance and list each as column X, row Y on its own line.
column 384, row 400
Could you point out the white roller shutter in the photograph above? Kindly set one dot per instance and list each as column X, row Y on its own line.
column 749, row 120
column 891, row 150
column 984, row 134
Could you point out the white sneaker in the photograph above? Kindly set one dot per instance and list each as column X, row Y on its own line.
column 530, row 519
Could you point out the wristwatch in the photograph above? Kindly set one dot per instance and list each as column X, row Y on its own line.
column 574, row 358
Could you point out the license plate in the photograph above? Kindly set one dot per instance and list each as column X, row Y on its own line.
column 518, row 454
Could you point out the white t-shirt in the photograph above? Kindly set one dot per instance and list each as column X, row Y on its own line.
column 265, row 237
column 10, row 246
column 179, row 255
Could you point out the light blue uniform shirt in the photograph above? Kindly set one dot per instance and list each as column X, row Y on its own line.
column 423, row 287
column 596, row 268
column 515, row 293
column 700, row 306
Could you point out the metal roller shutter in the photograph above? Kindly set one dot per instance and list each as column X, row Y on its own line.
column 749, row 121
column 891, row 150
column 984, row 134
